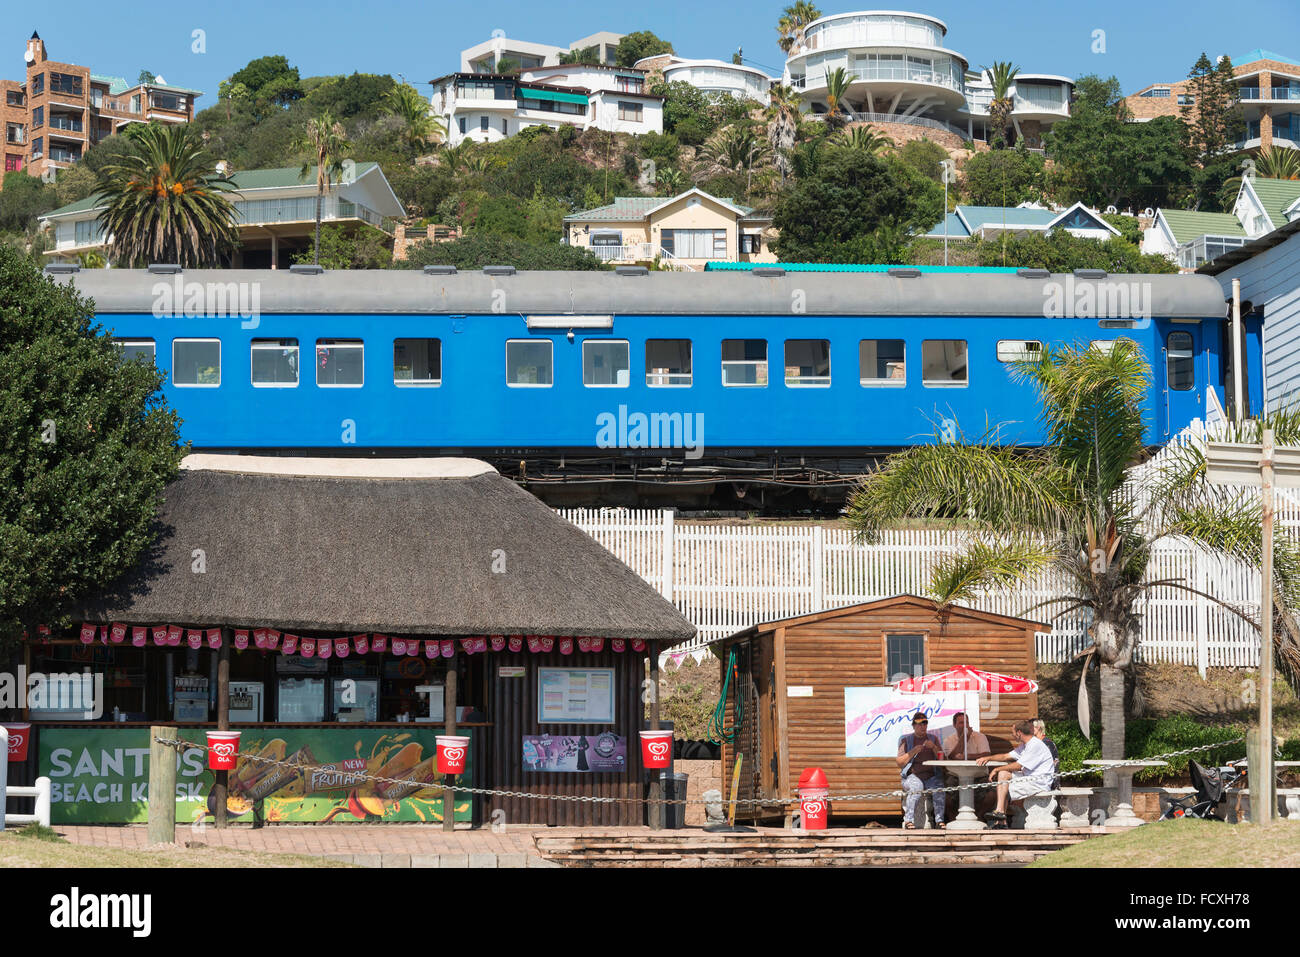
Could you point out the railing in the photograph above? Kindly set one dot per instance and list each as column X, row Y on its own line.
column 300, row 209
column 58, row 123
column 908, row 74
column 1277, row 93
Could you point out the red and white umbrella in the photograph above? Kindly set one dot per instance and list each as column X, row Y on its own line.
column 965, row 678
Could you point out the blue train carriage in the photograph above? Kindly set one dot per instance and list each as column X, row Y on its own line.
column 767, row 379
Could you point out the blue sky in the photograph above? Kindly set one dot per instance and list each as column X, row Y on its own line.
column 1144, row 42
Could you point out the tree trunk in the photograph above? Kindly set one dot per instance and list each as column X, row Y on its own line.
column 1112, row 716
column 315, row 258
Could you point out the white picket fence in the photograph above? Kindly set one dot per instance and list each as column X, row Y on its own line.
column 724, row 578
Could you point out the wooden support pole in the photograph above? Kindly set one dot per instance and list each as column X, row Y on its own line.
column 449, row 714
column 222, row 785
column 162, row 786
column 657, row 811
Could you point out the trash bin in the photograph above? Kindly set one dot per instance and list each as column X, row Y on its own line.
column 669, row 816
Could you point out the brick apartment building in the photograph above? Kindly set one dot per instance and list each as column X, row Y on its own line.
column 1268, row 88
column 60, row 109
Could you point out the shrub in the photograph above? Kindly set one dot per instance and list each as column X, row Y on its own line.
column 1145, row 737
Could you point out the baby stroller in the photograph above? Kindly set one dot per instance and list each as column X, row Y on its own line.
column 1211, row 784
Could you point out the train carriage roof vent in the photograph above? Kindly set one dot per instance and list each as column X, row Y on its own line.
column 768, row 272
column 1033, row 273
column 905, row 273
column 498, row 270
column 440, row 270
column 52, row 269
column 1090, row 274
column 631, row 271
column 165, row 269
column 306, row 269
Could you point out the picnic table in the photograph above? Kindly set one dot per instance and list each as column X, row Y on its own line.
column 1124, row 771
column 967, row 772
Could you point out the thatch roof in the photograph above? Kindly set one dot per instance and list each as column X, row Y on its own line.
column 396, row 547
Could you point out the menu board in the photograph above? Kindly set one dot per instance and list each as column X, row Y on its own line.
column 575, row 695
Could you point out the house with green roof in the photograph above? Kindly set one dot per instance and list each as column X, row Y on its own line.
column 985, row 222
column 275, row 209
column 1192, row 238
column 682, row 232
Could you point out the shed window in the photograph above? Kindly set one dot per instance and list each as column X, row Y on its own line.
column 668, row 362
column 905, row 656
column 744, row 362
column 275, row 363
column 606, row 363
column 882, row 362
column 943, row 362
column 808, row 362
column 528, row 363
column 417, row 361
column 196, row 362
column 340, row 363
column 1179, row 361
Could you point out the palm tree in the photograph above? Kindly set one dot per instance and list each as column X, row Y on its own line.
column 1001, row 76
column 793, row 20
column 670, row 180
column 327, row 141
column 165, row 203
column 736, row 147
column 420, row 128
column 1279, row 162
column 1077, row 508
column 782, row 116
column 837, row 84
column 457, row 157
column 863, row 138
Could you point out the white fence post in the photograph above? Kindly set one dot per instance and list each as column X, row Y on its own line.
column 666, row 583
column 1201, row 611
column 818, row 577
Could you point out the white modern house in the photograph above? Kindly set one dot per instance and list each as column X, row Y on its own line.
column 712, row 76
column 903, row 72
column 487, row 108
column 485, row 57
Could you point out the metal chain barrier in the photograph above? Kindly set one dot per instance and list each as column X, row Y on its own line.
column 866, row 796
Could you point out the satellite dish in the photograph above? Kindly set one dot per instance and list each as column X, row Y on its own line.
column 498, row 34
column 28, row 55
column 160, row 81
column 1148, row 211
column 1111, row 210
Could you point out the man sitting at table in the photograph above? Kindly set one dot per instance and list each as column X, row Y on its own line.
column 963, row 744
column 914, row 750
column 1028, row 773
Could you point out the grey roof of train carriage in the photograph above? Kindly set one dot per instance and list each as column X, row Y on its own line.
column 397, row 291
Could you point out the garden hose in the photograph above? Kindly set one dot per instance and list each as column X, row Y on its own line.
column 718, row 733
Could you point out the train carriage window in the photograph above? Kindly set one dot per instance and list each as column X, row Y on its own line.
column 943, row 362
column 275, row 363
column 196, row 363
column 882, row 362
column 340, row 363
column 667, row 362
column 1019, row 350
column 417, row 362
column 1180, row 364
column 529, row 363
column 744, row 362
column 142, row 349
column 808, row 363
column 606, row 364
column 1106, row 345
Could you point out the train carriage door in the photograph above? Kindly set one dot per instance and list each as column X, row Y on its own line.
column 1182, row 399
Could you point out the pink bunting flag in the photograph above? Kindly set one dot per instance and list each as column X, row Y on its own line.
column 241, row 638
column 193, row 637
column 117, row 633
column 534, row 644
column 467, row 645
column 361, row 643
column 448, row 648
column 290, row 644
column 431, row 649
column 103, row 634
column 638, row 644
column 341, row 647
column 566, row 646
column 174, row 635
column 160, row 635
column 616, row 644
column 259, row 637
column 498, row 642
column 324, row 648
column 379, row 643
column 584, row 644
column 272, row 639
column 399, row 645
column 548, row 643
column 138, row 634
column 597, row 645
column 87, row 633
column 412, row 647
column 480, row 645
column 515, row 643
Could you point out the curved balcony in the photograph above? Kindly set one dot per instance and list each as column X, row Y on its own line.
column 889, row 81
column 872, row 28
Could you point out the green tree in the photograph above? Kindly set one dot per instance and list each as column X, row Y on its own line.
column 1002, row 76
column 167, row 203
column 358, row 95
column 837, row 87
column 864, row 138
column 90, row 445
column 270, row 81
column 419, row 128
column 671, row 181
column 1067, row 508
column 1213, row 121
column 739, row 147
column 924, row 156
column 475, row 252
column 1003, row 178
column 74, row 183
column 344, row 248
column 587, row 56
column 327, row 141
column 1062, row 253
column 638, row 45
column 146, row 77
column 687, row 112
column 853, row 207
column 23, row 199
column 229, row 92
column 782, row 117
column 794, row 19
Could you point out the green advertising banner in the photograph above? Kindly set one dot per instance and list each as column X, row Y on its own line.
column 100, row 775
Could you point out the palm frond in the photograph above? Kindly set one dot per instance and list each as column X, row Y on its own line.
column 986, row 565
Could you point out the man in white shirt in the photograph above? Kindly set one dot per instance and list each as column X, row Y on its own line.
column 1029, row 771
column 963, row 744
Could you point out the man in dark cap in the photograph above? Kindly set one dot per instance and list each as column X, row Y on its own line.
column 914, row 750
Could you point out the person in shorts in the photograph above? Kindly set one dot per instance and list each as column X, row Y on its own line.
column 1029, row 772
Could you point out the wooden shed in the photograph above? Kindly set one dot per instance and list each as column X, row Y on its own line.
column 798, row 681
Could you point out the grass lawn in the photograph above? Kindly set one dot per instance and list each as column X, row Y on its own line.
column 44, row 848
column 1186, row 844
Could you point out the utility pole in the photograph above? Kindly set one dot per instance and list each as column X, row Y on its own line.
column 1263, row 804
column 949, row 175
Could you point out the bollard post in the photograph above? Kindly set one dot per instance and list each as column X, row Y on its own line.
column 449, row 717
column 43, row 791
column 162, row 786
column 4, row 773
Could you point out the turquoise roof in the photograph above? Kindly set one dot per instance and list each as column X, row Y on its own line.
column 116, row 84
column 846, row 267
column 1261, row 54
column 956, row 228
column 979, row 216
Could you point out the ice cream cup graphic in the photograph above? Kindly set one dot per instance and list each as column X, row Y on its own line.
column 656, row 749
column 452, row 749
column 223, row 750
